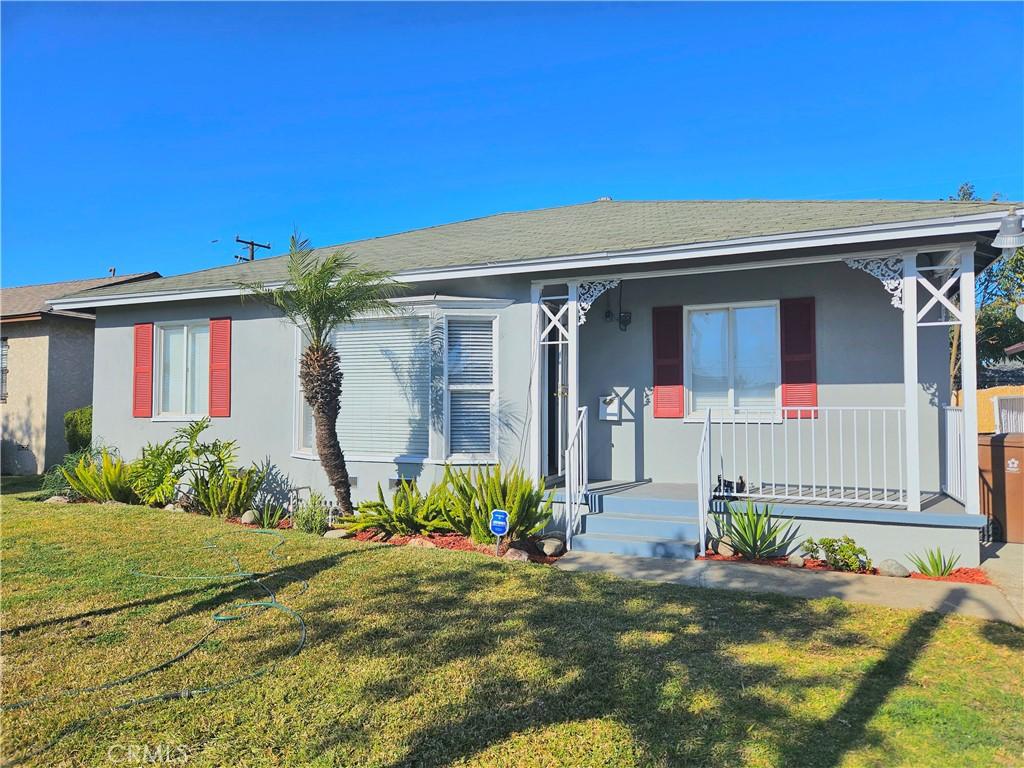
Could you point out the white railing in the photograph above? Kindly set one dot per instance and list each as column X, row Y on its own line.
column 953, row 481
column 828, row 454
column 704, row 487
column 576, row 475
column 1009, row 413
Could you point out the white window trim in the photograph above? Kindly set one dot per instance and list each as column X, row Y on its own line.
column 693, row 416
column 158, row 362
column 491, row 457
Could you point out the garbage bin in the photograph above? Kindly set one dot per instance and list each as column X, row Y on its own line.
column 1001, row 466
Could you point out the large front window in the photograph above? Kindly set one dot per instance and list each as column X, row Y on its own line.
column 732, row 356
column 184, row 369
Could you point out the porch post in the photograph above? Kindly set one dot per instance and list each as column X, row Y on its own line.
column 535, row 464
column 969, row 380
column 573, row 349
column 910, row 383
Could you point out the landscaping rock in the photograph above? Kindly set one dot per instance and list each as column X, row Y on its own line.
column 249, row 517
column 723, row 547
column 552, row 546
column 58, row 500
column 892, row 568
column 172, row 507
column 517, row 555
column 796, row 560
column 422, row 543
column 339, row 533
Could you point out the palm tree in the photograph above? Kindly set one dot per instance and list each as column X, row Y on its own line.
column 320, row 294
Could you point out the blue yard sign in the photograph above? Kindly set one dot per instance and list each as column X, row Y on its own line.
column 499, row 522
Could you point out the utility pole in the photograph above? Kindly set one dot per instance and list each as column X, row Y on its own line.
column 253, row 245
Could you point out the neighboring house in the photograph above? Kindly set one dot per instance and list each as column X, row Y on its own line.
column 46, row 369
column 655, row 354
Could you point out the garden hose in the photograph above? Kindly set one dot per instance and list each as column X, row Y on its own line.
column 219, row 619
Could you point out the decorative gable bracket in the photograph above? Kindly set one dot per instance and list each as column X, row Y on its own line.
column 888, row 270
column 589, row 293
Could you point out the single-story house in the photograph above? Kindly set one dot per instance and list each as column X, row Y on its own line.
column 45, row 369
column 647, row 358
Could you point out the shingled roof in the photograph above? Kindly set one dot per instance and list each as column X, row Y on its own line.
column 32, row 299
column 580, row 229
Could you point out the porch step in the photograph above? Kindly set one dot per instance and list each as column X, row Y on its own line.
column 636, row 505
column 636, row 546
column 673, row 526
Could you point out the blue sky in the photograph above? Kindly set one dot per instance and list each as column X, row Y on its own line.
column 134, row 135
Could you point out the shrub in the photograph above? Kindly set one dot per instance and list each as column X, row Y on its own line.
column 107, row 478
column 310, row 516
column 934, row 562
column 55, row 483
column 752, row 530
column 270, row 515
column 842, row 554
column 78, row 429
column 472, row 494
column 410, row 512
column 227, row 492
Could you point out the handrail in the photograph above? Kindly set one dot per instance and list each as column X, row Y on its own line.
column 577, row 478
column 704, row 481
column 954, row 479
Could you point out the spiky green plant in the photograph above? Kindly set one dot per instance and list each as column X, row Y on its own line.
column 161, row 471
column 752, row 530
column 934, row 562
column 310, row 516
column 228, row 492
column 107, row 478
column 323, row 291
column 409, row 512
column 474, row 494
column 270, row 515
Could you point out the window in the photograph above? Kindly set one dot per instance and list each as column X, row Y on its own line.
column 183, row 377
column 3, row 370
column 470, row 385
column 732, row 356
column 385, row 402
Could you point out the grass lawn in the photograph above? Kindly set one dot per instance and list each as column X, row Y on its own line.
column 428, row 657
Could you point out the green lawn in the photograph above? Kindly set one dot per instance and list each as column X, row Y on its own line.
column 428, row 657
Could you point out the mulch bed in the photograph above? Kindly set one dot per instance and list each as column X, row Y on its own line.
column 960, row 575
column 284, row 525
column 454, row 541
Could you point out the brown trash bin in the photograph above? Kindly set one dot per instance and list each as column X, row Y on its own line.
column 1001, row 469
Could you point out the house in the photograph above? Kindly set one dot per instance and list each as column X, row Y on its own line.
column 649, row 358
column 45, row 370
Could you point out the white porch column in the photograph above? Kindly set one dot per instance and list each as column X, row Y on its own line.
column 573, row 351
column 910, row 383
column 969, row 380
column 535, row 463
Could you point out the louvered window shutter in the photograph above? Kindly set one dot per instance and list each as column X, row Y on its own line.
column 142, row 371
column 220, row 366
column 385, row 394
column 669, row 398
column 470, row 386
column 799, row 361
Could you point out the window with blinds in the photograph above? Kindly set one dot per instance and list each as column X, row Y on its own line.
column 470, row 367
column 385, row 401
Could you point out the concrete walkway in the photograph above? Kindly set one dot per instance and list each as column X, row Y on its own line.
column 913, row 594
column 1004, row 564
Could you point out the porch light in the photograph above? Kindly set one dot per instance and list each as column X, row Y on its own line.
column 1010, row 235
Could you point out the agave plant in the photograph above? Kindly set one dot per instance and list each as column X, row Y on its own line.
column 474, row 494
column 410, row 511
column 934, row 562
column 752, row 530
column 228, row 492
column 107, row 478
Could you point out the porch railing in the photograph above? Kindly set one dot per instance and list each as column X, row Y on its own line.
column 836, row 454
column 953, row 480
column 704, row 487
column 577, row 477
column 1009, row 413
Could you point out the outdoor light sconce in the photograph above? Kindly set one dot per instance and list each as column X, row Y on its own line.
column 1010, row 236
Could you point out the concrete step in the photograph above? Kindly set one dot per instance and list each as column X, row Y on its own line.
column 631, row 505
column 636, row 546
column 656, row 526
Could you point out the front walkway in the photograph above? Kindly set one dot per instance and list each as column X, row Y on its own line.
column 914, row 594
column 1004, row 564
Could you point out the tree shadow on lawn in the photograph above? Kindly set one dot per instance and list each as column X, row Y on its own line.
column 656, row 658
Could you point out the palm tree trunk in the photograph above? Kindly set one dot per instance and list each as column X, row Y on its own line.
column 320, row 374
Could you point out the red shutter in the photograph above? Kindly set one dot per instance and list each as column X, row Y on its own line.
column 220, row 366
column 799, row 363
column 142, row 371
column 669, row 397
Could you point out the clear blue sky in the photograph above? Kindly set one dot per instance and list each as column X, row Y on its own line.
column 134, row 135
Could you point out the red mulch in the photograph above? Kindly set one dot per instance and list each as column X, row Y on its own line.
column 454, row 541
column 284, row 525
column 960, row 575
